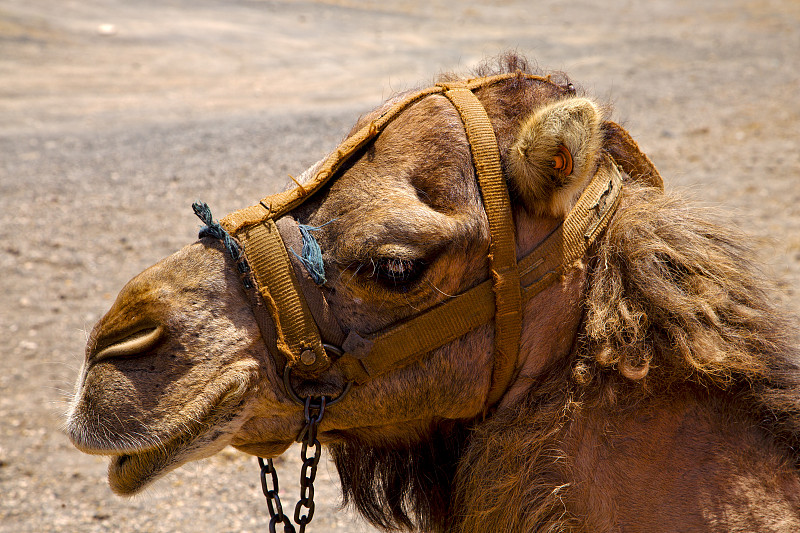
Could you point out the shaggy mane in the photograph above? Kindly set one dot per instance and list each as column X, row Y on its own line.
column 507, row 63
column 675, row 297
column 673, row 300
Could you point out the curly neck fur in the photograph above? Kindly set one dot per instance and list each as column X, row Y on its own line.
column 679, row 340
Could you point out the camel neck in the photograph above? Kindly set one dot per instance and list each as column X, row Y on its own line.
column 595, row 463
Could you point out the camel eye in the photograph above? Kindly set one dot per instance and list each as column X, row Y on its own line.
column 397, row 273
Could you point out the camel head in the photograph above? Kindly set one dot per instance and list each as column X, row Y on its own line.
column 181, row 365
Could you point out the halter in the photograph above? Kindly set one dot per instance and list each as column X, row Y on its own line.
column 281, row 295
column 292, row 311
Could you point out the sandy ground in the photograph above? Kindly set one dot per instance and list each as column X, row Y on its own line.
column 116, row 115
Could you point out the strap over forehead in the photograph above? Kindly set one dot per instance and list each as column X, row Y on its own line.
column 281, row 203
column 502, row 246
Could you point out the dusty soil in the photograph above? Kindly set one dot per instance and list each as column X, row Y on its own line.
column 115, row 116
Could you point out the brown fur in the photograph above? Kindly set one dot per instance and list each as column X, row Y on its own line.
column 661, row 270
column 656, row 387
column 676, row 313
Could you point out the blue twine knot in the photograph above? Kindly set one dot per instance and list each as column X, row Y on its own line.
column 311, row 253
column 213, row 229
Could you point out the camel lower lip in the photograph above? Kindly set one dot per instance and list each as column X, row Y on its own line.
column 130, row 472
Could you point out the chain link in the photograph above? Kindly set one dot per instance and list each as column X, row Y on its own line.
column 273, row 499
column 308, row 472
column 313, row 413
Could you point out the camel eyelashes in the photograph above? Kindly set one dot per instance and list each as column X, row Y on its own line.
column 396, row 273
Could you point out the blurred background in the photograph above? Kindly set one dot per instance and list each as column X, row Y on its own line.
column 115, row 115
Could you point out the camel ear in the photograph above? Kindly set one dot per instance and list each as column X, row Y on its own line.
column 554, row 154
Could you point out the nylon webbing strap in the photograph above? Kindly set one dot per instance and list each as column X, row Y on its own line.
column 294, row 326
column 393, row 347
column 569, row 242
column 502, row 247
column 295, row 330
column 373, row 355
column 500, row 298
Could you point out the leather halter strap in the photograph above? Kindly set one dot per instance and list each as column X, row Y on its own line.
column 279, row 204
column 294, row 327
column 500, row 298
column 284, row 302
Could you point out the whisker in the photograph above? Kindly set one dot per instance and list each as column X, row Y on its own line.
column 355, row 273
column 63, row 394
column 345, row 269
column 408, row 303
column 67, row 364
column 437, row 289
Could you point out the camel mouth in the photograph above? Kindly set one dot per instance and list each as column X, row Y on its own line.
column 131, row 471
column 133, row 466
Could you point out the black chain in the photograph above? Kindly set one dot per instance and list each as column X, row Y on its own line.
column 308, row 472
column 308, row 437
column 273, row 499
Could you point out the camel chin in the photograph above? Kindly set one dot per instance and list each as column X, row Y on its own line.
column 130, row 473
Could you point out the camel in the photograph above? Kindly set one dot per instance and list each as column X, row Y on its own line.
column 652, row 384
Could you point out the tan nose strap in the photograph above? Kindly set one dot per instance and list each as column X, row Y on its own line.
column 295, row 329
column 316, row 301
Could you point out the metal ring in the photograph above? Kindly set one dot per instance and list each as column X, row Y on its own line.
column 335, row 350
column 293, row 395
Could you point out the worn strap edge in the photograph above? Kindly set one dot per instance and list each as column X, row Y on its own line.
column 275, row 277
column 278, row 204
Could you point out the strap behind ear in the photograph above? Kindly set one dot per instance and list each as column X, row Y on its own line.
column 627, row 154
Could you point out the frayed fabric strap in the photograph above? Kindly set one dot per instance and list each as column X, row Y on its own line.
column 276, row 205
column 499, row 299
column 502, row 247
column 295, row 327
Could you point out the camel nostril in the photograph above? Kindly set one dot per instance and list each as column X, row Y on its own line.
column 131, row 345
